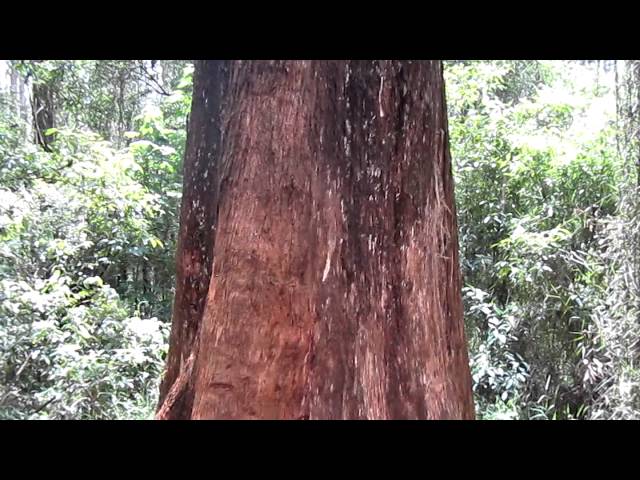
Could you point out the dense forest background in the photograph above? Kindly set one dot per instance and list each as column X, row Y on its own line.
column 546, row 165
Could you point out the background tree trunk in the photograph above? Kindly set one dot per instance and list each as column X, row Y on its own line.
column 335, row 290
column 43, row 113
column 15, row 79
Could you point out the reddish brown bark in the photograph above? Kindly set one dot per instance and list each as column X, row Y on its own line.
column 335, row 290
column 197, row 226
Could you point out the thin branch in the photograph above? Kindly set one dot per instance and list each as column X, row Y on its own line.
column 41, row 407
column 151, row 77
column 22, row 367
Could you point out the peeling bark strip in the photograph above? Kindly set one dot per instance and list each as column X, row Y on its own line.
column 167, row 409
column 335, row 291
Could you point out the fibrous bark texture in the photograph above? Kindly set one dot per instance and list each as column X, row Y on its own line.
column 335, row 289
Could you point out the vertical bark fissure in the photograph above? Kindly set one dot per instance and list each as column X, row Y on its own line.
column 398, row 282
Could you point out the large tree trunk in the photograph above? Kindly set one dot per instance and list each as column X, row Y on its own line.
column 335, row 290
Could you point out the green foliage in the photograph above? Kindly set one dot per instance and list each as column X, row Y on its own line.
column 69, row 350
column 87, row 235
column 537, row 177
column 611, row 373
column 104, row 96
